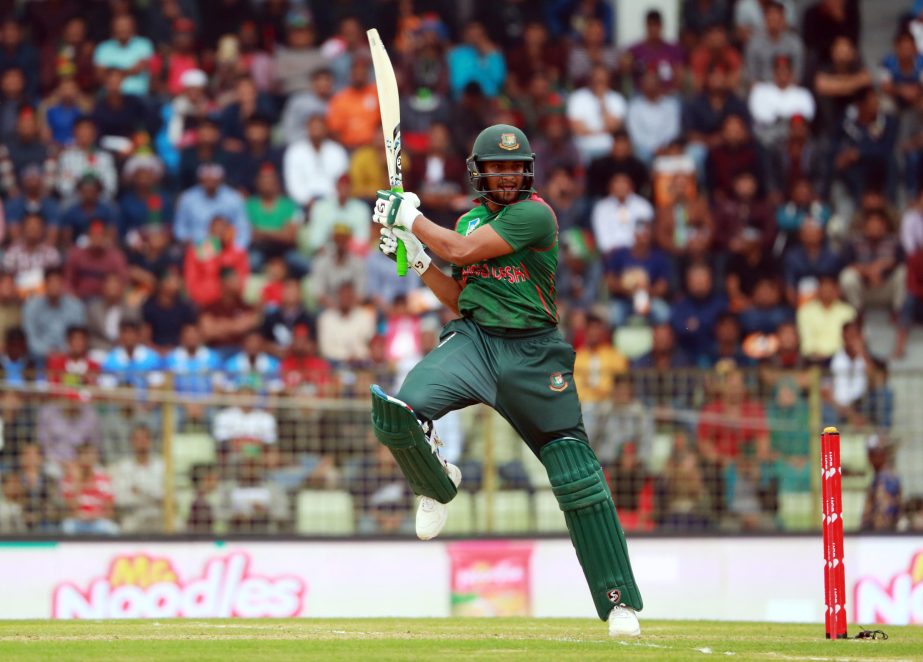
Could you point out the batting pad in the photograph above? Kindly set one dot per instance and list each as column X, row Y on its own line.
column 397, row 427
column 578, row 483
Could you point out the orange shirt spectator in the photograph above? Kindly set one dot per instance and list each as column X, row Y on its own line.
column 352, row 116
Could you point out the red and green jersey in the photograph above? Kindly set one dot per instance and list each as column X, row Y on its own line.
column 516, row 290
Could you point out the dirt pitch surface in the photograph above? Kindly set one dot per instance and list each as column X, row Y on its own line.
column 469, row 639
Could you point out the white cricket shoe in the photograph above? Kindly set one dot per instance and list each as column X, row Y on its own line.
column 623, row 622
column 432, row 515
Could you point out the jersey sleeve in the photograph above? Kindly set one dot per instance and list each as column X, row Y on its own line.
column 527, row 224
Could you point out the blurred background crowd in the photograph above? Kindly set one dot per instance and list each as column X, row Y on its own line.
column 186, row 193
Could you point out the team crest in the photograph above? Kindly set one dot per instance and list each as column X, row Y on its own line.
column 558, row 383
column 615, row 596
column 508, row 141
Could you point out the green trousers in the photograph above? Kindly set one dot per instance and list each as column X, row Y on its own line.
column 527, row 378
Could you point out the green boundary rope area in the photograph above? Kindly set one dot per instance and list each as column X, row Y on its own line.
column 560, row 640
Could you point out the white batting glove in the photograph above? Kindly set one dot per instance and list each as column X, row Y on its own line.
column 417, row 258
column 396, row 209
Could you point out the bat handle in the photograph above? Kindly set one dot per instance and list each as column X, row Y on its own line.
column 401, row 256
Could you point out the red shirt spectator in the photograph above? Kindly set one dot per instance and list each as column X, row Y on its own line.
column 731, row 421
column 87, row 488
column 86, row 268
column 73, row 367
column 204, row 264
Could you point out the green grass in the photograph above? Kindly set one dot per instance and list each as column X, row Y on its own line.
column 435, row 640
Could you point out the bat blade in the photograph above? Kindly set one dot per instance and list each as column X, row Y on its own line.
column 389, row 107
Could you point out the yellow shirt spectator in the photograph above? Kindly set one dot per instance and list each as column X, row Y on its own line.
column 595, row 370
column 820, row 327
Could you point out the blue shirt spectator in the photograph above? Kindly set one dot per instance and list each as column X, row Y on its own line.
column 127, row 52
column 477, row 60
column 130, row 363
column 75, row 221
column 46, row 318
column 805, row 263
column 17, row 53
column 695, row 315
column 192, row 364
column 210, row 198
column 252, row 365
column 32, row 200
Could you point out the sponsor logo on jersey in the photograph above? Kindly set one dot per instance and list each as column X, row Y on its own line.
column 615, row 596
column 558, row 383
column 508, row 141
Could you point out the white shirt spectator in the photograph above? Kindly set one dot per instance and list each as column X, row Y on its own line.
column 138, row 492
column 912, row 231
column 345, row 336
column 312, row 172
column 614, row 221
column 74, row 163
column 850, row 378
column 586, row 108
column 651, row 124
column 239, row 423
column 770, row 103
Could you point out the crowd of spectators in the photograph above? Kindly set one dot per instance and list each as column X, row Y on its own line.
column 186, row 194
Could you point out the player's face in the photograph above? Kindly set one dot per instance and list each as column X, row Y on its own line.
column 505, row 187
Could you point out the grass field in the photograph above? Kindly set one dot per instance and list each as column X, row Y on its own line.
column 435, row 640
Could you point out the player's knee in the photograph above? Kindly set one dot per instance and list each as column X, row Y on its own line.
column 574, row 472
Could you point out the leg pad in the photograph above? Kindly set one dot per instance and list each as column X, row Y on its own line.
column 578, row 483
column 396, row 426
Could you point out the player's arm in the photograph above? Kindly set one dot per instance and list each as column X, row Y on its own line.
column 482, row 244
column 446, row 288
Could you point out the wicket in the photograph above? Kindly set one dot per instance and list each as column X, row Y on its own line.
column 834, row 574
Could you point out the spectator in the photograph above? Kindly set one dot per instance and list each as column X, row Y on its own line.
column 883, row 499
column 580, row 271
column 198, row 207
column 11, row 303
column 854, row 395
column 616, row 216
column 628, row 427
column 274, row 218
column 596, row 366
column 476, row 60
column 732, row 421
column 704, row 115
column 17, row 52
column 106, row 312
column 204, row 479
column 60, row 111
column 807, row 262
column 128, row 53
column 653, row 118
column 684, row 226
column 803, row 202
column 225, row 322
column 352, row 115
column 137, row 484
column 65, row 424
column 73, row 367
column 28, row 257
column 714, row 53
column 728, row 346
column 88, row 498
column 384, row 501
column 839, row 83
column 204, row 263
column 766, row 46
column 193, row 366
column 84, row 156
column 912, row 244
column 131, row 362
column 901, row 72
column 244, row 424
column 86, row 268
column 252, row 364
column 295, row 61
column 789, row 438
column 864, row 153
column 72, row 53
column 254, row 503
column 301, row 106
column 764, row 312
column 336, row 265
column 591, row 50
column 303, row 371
column 168, row 68
column 735, row 152
column 166, row 312
column 11, row 511
column 828, row 20
column 595, row 112
column 206, row 148
column 439, row 177
column 654, row 55
column 13, row 97
column 344, row 329
column 143, row 202
column 694, row 316
column 33, row 198
column 41, row 498
column 184, row 113
column 774, row 102
column 874, row 274
column 748, row 266
column 821, row 321
column 639, row 279
column 47, row 317
column 685, row 500
column 87, row 208
column 16, row 367
column 339, row 210
column 742, row 211
column 25, row 148
column 279, row 325
column 154, row 256
column 118, row 113
column 313, row 165
column 248, row 120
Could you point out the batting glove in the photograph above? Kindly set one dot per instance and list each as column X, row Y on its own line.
column 396, row 209
column 417, row 258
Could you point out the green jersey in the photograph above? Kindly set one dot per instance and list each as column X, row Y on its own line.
column 516, row 290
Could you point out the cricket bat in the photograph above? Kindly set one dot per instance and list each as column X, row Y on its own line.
column 388, row 104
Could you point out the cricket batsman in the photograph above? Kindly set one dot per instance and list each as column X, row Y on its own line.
column 505, row 351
